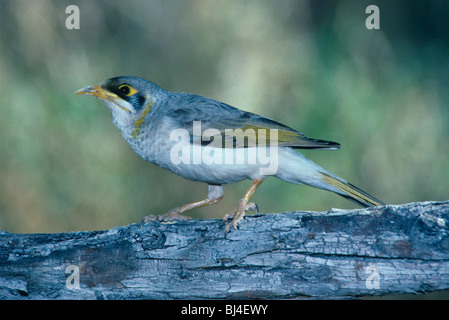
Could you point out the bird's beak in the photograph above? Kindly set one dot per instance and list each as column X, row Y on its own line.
column 99, row 92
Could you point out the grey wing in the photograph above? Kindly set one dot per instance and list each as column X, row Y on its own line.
column 234, row 126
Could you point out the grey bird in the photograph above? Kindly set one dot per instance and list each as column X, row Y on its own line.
column 205, row 140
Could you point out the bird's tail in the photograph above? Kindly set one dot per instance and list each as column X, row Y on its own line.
column 295, row 168
column 351, row 192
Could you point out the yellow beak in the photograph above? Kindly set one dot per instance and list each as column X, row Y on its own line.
column 99, row 92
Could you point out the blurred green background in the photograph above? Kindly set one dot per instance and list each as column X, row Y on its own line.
column 313, row 65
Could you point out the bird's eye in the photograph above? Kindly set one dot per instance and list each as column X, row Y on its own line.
column 126, row 90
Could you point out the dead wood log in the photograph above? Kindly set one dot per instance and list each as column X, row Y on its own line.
column 396, row 249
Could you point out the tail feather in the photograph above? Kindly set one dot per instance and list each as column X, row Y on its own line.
column 293, row 167
column 351, row 192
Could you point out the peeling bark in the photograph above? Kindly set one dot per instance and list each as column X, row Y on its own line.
column 337, row 254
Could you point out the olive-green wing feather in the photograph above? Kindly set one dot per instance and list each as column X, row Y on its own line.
column 245, row 132
column 208, row 120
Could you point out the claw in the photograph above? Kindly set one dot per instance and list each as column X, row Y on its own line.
column 170, row 217
column 228, row 216
column 252, row 206
column 238, row 214
column 243, row 206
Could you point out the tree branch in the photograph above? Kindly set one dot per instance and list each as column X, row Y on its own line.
column 342, row 253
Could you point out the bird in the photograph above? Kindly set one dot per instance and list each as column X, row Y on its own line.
column 209, row 141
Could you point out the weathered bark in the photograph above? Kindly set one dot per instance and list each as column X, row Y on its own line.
column 342, row 253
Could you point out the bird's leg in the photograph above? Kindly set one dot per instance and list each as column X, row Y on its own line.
column 242, row 207
column 214, row 195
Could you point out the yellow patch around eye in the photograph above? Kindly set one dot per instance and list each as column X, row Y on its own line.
column 126, row 87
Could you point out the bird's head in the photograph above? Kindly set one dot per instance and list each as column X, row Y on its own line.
column 128, row 98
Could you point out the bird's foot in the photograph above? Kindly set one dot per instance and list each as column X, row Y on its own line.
column 238, row 214
column 170, row 217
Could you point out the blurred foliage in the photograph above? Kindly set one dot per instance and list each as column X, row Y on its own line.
column 309, row 64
